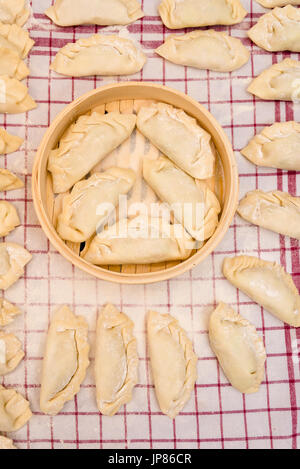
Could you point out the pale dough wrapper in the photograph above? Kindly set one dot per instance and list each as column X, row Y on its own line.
column 266, row 283
column 9, row 218
column 14, row 97
column 99, row 55
column 8, row 312
column 14, row 11
column 9, row 143
column 278, row 30
column 14, row 410
column 11, row 353
column 6, row 443
column 141, row 240
column 9, row 181
column 173, row 362
column 65, row 361
column 276, row 211
column 90, row 139
column 206, row 50
column 279, row 82
column 194, row 205
column 116, row 360
column 179, row 137
column 277, row 146
column 91, row 202
column 13, row 259
column 16, row 39
column 101, row 12
column 11, row 64
column 277, row 3
column 239, row 349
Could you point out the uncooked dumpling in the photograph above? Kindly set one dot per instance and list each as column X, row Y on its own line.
column 277, row 3
column 14, row 97
column 192, row 202
column 14, row 410
column 13, row 259
column 116, row 360
column 211, row 50
column 90, row 139
column 276, row 211
column 91, row 201
column 9, row 181
column 177, row 14
column 266, row 283
column 8, row 312
column 9, row 143
column 15, row 38
column 173, row 362
column 12, row 65
column 6, row 443
column 238, row 347
column 9, row 218
column 65, row 361
column 14, row 11
column 277, row 146
column 179, row 137
column 101, row 12
column 99, row 55
column 11, row 353
column 279, row 82
column 141, row 240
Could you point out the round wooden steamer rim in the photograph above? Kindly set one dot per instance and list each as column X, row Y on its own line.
column 129, row 91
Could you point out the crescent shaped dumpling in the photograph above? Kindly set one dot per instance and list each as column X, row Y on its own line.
column 266, row 283
column 6, row 443
column 116, row 360
column 11, row 353
column 14, row 96
column 16, row 39
column 279, row 82
column 65, row 361
column 90, row 203
column 101, row 12
column 173, row 362
column 206, row 50
column 194, row 205
column 277, row 3
column 179, row 137
column 239, row 349
column 141, row 240
column 9, row 218
column 11, row 64
column 14, row 11
column 8, row 312
column 14, row 410
column 177, row 14
column 86, row 142
column 9, row 181
column 276, row 211
column 278, row 30
column 99, row 55
column 13, row 259
column 277, row 146
column 9, row 143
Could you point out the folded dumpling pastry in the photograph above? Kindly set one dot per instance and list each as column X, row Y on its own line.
column 11, row 353
column 277, row 3
column 14, row 410
column 11, row 64
column 6, row 443
column 13, row 259
column 9, row 218
column 116, row 360
column 14, row 97
column 15, row 38
column 102, row 12
column 211, row 50
column 266, row 283
column 9, row 181
column 14, row 11
column 91, row 201
column 65, row 361
column 279, row 82
column 86, row 143
column 238, row 347
column 192, row 202
column 8, row 312
column 99, row 55
column 9, row 143
column 179, row 137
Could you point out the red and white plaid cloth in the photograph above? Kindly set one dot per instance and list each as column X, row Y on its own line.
column 217, row 416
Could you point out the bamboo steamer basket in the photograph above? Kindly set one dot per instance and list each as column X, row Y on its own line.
column 129, row 97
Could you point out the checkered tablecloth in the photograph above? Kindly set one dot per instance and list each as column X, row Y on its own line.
column 217, row 416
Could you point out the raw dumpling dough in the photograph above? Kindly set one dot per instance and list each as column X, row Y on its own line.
column 6, row 443
column 99, row 55
column 173, row 362
column 279, row 82
column 11, row 64
column 7, row 312
column 14, row 11
column 266, row 283
column 277, row 3
column 101, row 12
column 15, row 38
column 14, row 97
column 116, row 360
column 194, row 205
column 278, row 30
column 13, row 259
column 141, row 240
column 9, row 181
column 179, row 137
column 65, row 362
column 211, row 50
column 14, row 410
column 277, row 146
column 9, row 143
column 9, row 218
column 238, row 347
column 91, row 202
column 276, row 211
column 11, row 353
column 85, row 144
